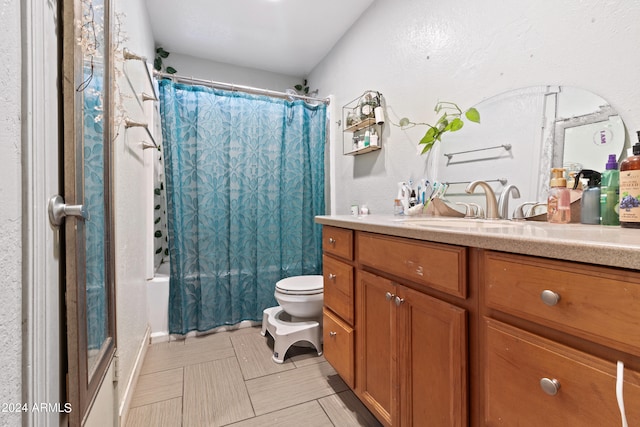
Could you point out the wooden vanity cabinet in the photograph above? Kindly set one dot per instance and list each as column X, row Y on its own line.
column 552, row 334
column 338, row 313
column 411, row 347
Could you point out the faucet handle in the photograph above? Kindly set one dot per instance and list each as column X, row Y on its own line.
column 518, row 213
column 479, row 212
column 467, row 209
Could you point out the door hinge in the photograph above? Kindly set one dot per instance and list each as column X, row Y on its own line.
column 116, row 368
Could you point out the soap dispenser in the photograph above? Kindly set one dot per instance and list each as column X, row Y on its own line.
column 559, row 201
column 610, row 193
column 590, row 201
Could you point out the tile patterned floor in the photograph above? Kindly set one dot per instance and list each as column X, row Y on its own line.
column 229, row 379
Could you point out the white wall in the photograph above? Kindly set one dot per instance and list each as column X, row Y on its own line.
column 191, row 66
column 130, row 197
column 422, row 51
column 10, row 209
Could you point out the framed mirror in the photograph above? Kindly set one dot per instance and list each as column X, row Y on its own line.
column 542, row 126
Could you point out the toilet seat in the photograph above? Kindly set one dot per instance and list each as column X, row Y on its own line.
column 301, row 285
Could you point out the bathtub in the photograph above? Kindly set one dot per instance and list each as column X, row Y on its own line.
column 158, row 309
column 158, row 304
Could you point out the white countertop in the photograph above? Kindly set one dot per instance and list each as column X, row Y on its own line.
column 594, row 244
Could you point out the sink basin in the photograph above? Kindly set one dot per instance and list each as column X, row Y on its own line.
column 467, row 223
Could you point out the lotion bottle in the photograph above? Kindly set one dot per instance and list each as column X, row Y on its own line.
column 558, row 203
column 630, row 189
column 610, row 193
column 590, row 201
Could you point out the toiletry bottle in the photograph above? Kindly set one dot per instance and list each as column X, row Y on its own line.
column 610, row 193
column 373, row 138
column 558, row 203
column 630, row 189
column 367, row 138
column 413, row 199
column 397, row 207
column 590, row 201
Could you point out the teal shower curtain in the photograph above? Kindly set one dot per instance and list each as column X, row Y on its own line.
column 245, row 178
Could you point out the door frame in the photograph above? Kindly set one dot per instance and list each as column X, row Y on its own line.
column 44, row 347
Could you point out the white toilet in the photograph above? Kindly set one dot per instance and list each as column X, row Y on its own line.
column 299, row 315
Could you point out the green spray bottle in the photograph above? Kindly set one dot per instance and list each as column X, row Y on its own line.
column 610, row 193
column 590, row 201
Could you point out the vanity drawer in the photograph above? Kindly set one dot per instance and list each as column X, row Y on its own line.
column 337, row 241
column 435, row 265
column 595, row 303
column 338, row 287
column 517, row 361
column 338, row 346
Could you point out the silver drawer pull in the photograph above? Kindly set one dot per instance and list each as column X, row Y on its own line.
column 332, row 276
column 332, row 240
column 399, row 301
column 333, row 334
column 549, row 297
column 551, row 386
column 388, row 296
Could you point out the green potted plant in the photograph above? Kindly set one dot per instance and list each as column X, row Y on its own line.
column 451, row 120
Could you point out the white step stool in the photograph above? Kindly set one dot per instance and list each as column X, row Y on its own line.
column 286, row 333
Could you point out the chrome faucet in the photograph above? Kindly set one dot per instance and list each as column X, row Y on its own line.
column 503, row 201
column 492, row 204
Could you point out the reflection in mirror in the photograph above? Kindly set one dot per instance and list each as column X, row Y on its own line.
column 544, row 127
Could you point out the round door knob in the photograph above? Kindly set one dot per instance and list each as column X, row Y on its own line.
column 332, row 276
column 551, row 386
column 388, row 296
column 399, row 301
column 550, row 298
column 333, row 334
column 332, row 240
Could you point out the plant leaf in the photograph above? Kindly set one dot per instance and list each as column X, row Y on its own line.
column 427, row 147
column 157, row 64
column 429, row 137
column 171, row 70
column 298, row 87
column 404, row 122
column 456, row 124
column 472, row 115
column 163, row 53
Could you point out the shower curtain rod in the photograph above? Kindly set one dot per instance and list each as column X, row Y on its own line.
column 234, row 87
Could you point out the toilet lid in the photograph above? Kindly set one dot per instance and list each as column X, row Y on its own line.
column 301, row 285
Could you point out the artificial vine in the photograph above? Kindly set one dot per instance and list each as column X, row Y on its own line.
column 158, row 64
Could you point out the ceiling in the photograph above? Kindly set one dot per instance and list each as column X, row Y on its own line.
column 284, row 36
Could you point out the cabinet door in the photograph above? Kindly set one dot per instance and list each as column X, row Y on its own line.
column 432, row 360
column 338, row 345
column 376, row 377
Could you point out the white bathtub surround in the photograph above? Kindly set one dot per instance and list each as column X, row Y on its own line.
column 158, row 307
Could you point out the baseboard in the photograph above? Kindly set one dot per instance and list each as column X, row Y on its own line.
column 133, row 379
